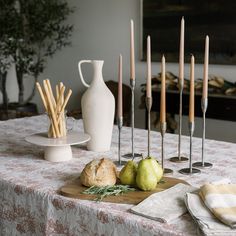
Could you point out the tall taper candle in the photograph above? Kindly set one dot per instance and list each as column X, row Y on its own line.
column 181, row 52
column 163, row 91
column 120, row 94
column 132, row 60
column 205, row 75
column 191, row 96
column 149, row 73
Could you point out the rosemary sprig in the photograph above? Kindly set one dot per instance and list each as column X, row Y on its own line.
column 109, row 190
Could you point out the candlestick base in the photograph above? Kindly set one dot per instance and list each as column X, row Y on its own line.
column 130, row 155
column 188, row 171
column 202, row 164
column 178, row 160
column 167, row 171
column 120, row 163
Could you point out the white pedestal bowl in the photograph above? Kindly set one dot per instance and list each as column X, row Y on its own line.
column 58, row 149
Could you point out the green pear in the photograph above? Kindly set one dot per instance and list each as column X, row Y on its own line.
column 157, row 168
column 128, row 173
column 146, row 178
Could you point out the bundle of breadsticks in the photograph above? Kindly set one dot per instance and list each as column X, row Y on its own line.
column 55, row 107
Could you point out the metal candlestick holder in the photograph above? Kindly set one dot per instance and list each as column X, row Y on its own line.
column 203, row 164
column 120, row 124
column 163, row 131
column 179, row 158
column 133, row 155
column 190, row 170
column 149, row 106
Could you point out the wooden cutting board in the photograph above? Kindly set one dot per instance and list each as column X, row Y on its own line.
column 75, row 189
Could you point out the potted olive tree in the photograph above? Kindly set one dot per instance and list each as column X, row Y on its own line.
column 30, row 32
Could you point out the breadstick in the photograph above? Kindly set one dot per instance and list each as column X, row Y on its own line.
column 63, row 113
column 57, row 92
column 51, row 93
column 54, row 119
column 51, row 131
column 66, row 100
column 42, row 95
column 61, row 94
column 63, row 107
column 58, row 108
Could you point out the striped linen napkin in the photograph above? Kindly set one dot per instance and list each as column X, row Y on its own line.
column 208, row 224
column 221, row 201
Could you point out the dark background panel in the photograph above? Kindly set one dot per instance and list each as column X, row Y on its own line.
column 161, row 20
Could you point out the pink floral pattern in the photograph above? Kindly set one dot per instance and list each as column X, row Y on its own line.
column 31, row 205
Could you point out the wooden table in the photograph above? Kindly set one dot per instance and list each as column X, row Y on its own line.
column 31, row 205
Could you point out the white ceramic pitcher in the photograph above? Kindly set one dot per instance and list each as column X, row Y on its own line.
column 98, row 108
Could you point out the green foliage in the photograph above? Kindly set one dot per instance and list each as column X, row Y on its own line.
column 30, row 32
column 109, row 190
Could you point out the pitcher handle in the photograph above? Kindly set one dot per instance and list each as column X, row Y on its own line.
column 80, row 72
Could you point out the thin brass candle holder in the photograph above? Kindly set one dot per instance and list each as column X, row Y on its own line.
column 163, row 131
column 149, row 106
column 132, row 154
column 179, row 158
column 203, row 164
column 190, row 170
column 120, row 124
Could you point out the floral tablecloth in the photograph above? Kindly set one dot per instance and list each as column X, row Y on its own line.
column 29, row 199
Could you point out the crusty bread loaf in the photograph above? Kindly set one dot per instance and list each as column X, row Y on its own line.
column 99, row 173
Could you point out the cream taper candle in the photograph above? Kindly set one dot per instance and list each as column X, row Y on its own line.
column 205, row 73
column 149, row 73
column 163, row 91
column 120, row 94
column 181, row 52
column 132, row 58
column 191, row 95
